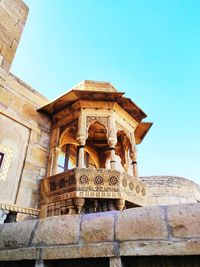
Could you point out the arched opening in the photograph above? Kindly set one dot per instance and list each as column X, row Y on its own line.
column 67, row 158
column 68, row 145
column 122, row 151
column 97, row 145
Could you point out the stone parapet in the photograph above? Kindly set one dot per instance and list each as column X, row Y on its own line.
column 167, row 190
column 164, row 230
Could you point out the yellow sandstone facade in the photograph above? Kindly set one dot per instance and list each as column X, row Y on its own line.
column 63, row 163
column 75, row 154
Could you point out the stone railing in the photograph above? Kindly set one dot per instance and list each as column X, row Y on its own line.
column 19, row 209
column 91, row 184
column 167, row 230
column 9, row 212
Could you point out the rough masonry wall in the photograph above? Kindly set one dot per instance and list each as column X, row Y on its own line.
column 166, row 230
column 13, row 14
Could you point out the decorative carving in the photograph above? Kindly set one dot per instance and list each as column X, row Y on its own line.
column 91, row 119
column 83, row 179
column 119, row 127
column 113, row 180
column 94, row 184
column 131, row 185
column 6, row 161
column 72, row 180
column 52, row 186
column 124, row 182
column 143, row 192
column 137, row 189
column 62, row 183
column 98, row 180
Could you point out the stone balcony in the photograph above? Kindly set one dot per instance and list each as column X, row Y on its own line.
column 99, row 184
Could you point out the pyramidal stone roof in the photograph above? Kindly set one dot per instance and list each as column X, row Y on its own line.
column 89, row 85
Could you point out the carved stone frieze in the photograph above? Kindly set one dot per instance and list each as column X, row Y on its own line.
column 92, row 119
column 91, row 184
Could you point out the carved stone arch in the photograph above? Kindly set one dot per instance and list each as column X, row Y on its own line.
column 119, row 127
column 101, row 120
column 68, row 134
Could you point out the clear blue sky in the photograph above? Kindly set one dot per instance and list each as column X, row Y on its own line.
column 149, row 49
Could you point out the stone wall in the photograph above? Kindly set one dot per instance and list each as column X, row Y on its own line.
column 13, row 14
column 167, row 190
column 24, row 135
column 166, row 230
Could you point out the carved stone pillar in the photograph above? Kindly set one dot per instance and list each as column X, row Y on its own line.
column 134, row 163
column 134, row 156
column 112, row 140
column 54, row 153
column 81, row 138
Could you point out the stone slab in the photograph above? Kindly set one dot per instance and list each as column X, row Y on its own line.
column 16, row 234
column 19, row 254
column 157, row 247
column 141, row 223
column 184, row 220
column 97, row 227
column 57, row 230
column 79, row 251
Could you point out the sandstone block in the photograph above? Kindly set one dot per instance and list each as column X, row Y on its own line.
column 157, row 247
column 17, row 234
column 19, row 254
column 141, row 223
column 97, row 227
column 58, row 230
column 79, row 251
column 184, row 220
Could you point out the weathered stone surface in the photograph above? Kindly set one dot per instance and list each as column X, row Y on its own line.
column 19, row 254
column 158, row 247
column 11, row 26
column 98, row 227
column 58, row 230
column 16, row 234
column 141, row 223
column 184, row 220
column 79, row 251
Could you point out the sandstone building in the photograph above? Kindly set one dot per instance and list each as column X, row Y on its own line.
column 77, row 155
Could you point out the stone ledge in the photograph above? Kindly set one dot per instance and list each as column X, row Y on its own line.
column 160, row 248
column 167, row 230
column 78, row 251
column 184, row 220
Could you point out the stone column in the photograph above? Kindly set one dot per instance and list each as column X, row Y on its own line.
column 112, row 140
column 134, row 156
column 54, row 152
column 116, row 262
column 81, row 138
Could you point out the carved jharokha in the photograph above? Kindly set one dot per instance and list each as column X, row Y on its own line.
column 92, row 164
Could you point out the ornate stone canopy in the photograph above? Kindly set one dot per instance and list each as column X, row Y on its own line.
column 95, row 130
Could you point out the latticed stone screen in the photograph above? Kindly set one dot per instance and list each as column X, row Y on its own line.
column 5, row 160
